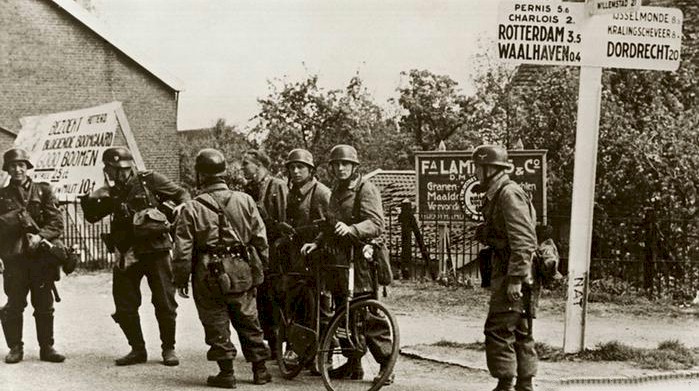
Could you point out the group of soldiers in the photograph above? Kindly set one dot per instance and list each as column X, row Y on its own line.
column 221, row 241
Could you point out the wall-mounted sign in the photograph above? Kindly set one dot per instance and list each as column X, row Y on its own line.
column 447, row 186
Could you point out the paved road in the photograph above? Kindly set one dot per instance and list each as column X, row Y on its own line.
column 91, row 341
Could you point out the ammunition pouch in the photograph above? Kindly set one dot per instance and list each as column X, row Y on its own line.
column 227, row 269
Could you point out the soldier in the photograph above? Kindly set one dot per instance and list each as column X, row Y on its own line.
column 307, row 202
column 223, row 224
column 128, row 192
column 509, row 231
column 28, row 215
column 350, row 226
column 270, row 194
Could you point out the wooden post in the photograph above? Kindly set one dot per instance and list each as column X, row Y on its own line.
column 587, row 135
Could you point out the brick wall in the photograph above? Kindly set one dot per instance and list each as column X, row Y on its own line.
column 50, row 62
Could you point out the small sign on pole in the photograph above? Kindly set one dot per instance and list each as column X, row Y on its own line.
column 600, row 7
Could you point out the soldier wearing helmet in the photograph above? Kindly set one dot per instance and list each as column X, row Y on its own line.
column 307, row 202
column 509, row 231
column 196, row 236
column 270, row 194
column 127, row 192
column 356, row 215
column 29, row 215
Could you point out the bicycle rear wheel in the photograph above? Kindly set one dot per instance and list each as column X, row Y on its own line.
column 363, row 355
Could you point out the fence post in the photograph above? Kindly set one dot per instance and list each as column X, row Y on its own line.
column 406, row 239
column 651, row 253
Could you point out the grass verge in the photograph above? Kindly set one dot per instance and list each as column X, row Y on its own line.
column 669, row 355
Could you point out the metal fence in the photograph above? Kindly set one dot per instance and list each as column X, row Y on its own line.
column 86, row 237
column 644, row 252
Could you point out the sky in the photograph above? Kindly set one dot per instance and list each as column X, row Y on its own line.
column 226, row 51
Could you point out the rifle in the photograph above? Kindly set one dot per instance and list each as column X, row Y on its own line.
column 528, row 306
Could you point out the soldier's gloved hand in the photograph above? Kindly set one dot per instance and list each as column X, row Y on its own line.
column 183, row 292
column 33, row 241
column 307, row 248
column 514, row 291
column 286, row 229
column 342, row 229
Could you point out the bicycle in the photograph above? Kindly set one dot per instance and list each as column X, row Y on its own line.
column 345, row 337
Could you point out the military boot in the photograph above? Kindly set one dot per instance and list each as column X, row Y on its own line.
column 167, row 337
column 15, row 355
column 388, row 381
column 12, row 328
column 524, row 384
column 225, row 378
column 131, row 326
column 260, row 374
column 352, row 369
column 44, row 334
column 504, row 384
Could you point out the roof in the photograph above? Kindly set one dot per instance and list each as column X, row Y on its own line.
column 94, row 24
column 8, row 131
column 394, row 185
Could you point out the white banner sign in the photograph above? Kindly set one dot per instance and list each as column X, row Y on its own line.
column 66, row 148
column 599, row 7
column 549, row 33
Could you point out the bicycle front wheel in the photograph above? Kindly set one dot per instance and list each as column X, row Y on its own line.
column 360, row 352
column 289, row 361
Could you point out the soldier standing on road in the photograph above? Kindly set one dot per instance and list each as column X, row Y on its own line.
column 270, row 195
column 509, row 231
column 307, row 202
column 28, row 215
column 200, row 240
column 349, row 228
column 130, row 191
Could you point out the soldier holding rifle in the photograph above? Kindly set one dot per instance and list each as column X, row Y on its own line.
column 509, row 231
column 29, row 215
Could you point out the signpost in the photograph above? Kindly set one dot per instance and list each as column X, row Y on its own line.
column 566, row 34
column 66, row 148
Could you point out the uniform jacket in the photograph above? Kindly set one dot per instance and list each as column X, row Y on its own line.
column 123, row 202
column 306, row 204
column 198, row 227
column 510, row 220
column 270, row 194
column 39, row 201
column 369, row 224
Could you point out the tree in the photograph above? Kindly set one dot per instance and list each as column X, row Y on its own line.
column 223, row 137
column 434, row 108
column 303, row 115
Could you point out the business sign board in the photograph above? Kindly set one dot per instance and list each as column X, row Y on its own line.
column 549, row 33
column 66, row 148
column 601, row 7
column 447, row 185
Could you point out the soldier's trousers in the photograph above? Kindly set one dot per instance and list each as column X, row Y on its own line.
column 126, row 291
column 19, row 279
column 378, row 335
column 265, row 308
column 217, row 312
column 509, row 348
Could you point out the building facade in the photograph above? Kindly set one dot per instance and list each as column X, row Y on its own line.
column 55, row 56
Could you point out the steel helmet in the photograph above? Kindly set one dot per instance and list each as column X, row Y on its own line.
column 210, row 161
column 343, row 152
column 117, row 157
column 491, row 155
column 300, row 155
column 16, row 155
